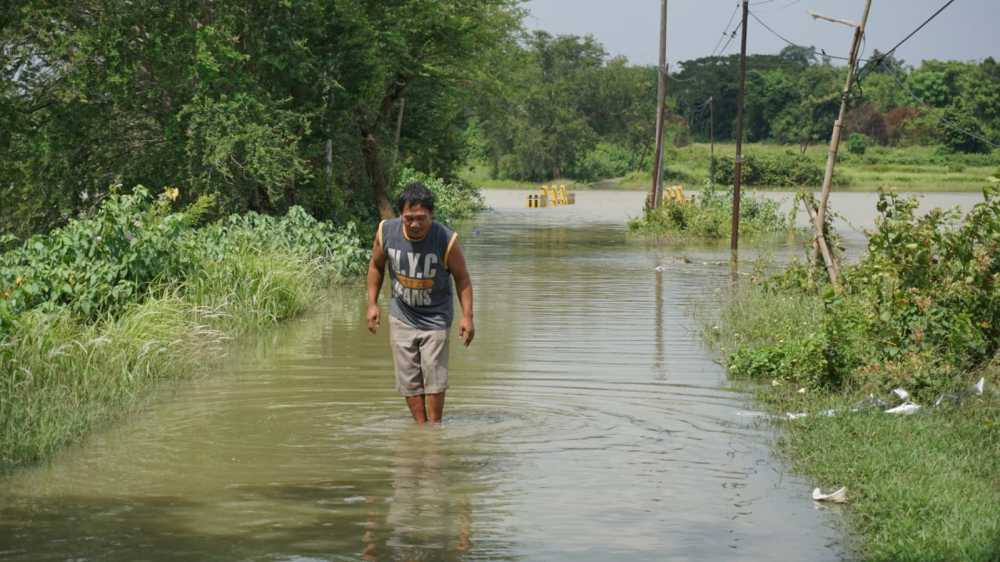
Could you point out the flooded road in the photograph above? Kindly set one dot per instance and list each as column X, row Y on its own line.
column 586, row 422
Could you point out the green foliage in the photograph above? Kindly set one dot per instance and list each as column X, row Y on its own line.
column 962, row 132
column 245, row 150
column 604, row 161
column 774, row 170
column 95, row 312
column 919, row 310
column 857, row 144
column 265, row 105
column 453, row 201
column 921, row 487
column 134, row 245
column 709, row 216
column 561, row 97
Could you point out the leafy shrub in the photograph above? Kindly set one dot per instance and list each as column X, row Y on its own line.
column 857, row 143
column 779, row 170
column 709, row 216
column 133, row 244
column 604, row 161
column 94, row 312
column 919, row 310
column 453, row 201
column 961, row 132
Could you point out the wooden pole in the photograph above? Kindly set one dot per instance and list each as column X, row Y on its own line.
column 656, row 191
column 711, row 139
column 738, row 164
column 831, row 159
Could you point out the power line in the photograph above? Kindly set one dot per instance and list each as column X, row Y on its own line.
column 896, row 72
column 731, row 37
column 789, row 41
column 778, row 8
column 725, row 30
column 914, row 32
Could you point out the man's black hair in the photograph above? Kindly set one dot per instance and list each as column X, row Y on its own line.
column 416, row 193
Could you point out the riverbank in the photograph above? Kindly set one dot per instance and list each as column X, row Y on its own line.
column 96, row 313
column 917, row 169
column 918, row 312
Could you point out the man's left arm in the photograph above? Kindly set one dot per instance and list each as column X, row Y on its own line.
column 463, row 286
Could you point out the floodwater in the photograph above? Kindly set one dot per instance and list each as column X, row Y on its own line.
column 587, row 422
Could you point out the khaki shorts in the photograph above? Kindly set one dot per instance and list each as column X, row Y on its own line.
column 421, row 358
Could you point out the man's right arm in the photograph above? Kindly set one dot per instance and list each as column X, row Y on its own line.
column 376, row 271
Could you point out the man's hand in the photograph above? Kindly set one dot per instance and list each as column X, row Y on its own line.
column 374, row 315
column 467, row 330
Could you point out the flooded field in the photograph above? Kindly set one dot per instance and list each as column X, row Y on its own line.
column 586, row 422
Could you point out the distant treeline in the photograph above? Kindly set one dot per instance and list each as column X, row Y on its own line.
column 321, row 103
column 570, row 110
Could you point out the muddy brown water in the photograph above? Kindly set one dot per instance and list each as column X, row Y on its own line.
column 586, row 422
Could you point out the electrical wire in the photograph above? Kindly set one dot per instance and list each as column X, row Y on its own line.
column 914, row 32
column 725, row 30
column 789, row 41
column 896, row 72
column 731, row 37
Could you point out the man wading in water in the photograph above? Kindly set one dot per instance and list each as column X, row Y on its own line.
column 423, row 256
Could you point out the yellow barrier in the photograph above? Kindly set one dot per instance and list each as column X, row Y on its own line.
column 536, row 200
column 675, row 193
column 551, row 195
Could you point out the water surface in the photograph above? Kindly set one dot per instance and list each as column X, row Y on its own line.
column 586, row 422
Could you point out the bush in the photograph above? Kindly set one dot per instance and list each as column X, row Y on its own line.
column 97, row 311
column 779, row 170
column 857, row 143
column 134, row 245
column 604, row 161
column 709, row 216
column 453, row 201
column 919, row 310
column 961, row 132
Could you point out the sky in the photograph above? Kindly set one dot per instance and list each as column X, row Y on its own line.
column 966, row 30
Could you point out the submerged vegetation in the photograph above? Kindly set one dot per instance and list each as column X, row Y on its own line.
column 708, row 216
column 94, row 313
column 920, row 311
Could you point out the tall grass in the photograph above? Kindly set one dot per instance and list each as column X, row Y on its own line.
column 162, row 295
column 918, row 311
column 62, row 378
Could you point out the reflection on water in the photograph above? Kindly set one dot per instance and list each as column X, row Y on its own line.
column 587, row 422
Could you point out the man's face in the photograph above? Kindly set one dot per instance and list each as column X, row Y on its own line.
column 417, row 220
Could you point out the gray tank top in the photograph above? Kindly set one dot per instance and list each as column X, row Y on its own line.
column 419, row 279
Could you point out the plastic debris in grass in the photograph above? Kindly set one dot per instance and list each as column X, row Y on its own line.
column 838, row 496
column 906, row 406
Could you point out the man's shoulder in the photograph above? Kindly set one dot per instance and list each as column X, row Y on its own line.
column 443, row 229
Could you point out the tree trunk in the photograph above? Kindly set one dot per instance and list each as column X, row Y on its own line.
column 376, row 175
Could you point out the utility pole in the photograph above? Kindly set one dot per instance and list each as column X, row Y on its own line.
column 711, row 139
column 820, row 216
column 738, row 164
column 656, row 192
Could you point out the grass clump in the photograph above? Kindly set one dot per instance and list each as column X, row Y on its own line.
column 708, row 216
column 921, row 311
column 922, row 487
column 95, row 313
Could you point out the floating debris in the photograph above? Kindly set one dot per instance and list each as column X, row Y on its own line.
column 906, row 408
column 839, row 496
